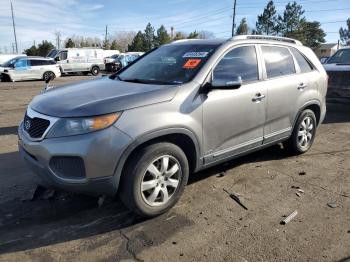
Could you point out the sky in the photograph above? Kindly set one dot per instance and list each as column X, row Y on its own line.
column 38, row 20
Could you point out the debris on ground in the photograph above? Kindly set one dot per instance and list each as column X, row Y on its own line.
column 101, row 200
column 302, row 173
column 298, row 194
column 235, row 198
column 295, row 187
column 289, row 218
column 300, row 191
column 332, row 205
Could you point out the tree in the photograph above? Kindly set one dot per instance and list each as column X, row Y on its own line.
column 292, row 20
column 179, row 36
column 114, row 45
column 268, row 21
column 106, row 45
column 69, row 43
column 149, row 37
column 32, row 51
column 44, row 48
column 310, row 34
column 138, row 43
column 345, row 33
column 242, row 28
column 162, row 36
column 205, row 34
column 124, row 39
column 193, row 35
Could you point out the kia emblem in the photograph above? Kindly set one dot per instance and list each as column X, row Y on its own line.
column 27, row 124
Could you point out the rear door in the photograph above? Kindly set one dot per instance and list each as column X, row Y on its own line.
column 36, row 68
column 233, row 119
column 283, row 91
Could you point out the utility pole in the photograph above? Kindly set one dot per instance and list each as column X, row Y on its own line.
column 58, row 39
column 106, row 37
column 14, row 28
column 233, row 18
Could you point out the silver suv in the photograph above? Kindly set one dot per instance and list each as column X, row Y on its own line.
column 178, row 109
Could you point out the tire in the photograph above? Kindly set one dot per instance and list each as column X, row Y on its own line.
column 95, row 70
column 47, row 74
column 140, row 172
column 304, row 133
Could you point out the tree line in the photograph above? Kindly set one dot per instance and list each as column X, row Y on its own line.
column 289, row 23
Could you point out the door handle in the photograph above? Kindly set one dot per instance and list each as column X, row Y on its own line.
column 302, row 86
column 258, row 97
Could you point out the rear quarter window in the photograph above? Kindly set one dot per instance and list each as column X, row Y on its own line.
column 278, row 61
column 304, row 65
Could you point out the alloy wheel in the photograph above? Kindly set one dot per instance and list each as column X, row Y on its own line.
column 305, row 132
column 161, row 180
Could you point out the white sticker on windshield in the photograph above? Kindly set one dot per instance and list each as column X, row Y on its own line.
column 195, row 54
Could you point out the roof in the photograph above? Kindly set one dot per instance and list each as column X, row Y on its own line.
column 248, row 38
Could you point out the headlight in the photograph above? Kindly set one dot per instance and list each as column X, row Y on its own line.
column 82, row 125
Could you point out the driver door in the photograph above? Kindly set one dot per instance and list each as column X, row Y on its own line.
column 233, row 119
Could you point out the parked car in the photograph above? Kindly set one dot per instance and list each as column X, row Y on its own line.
column 121, row 61
column 29, row 68
column 110, row 59
column 74, row 60
column 338, row 70
column 179, row 109
column 324, row 59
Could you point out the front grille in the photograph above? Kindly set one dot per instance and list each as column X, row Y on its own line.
column 35, row 127
column 68, row 167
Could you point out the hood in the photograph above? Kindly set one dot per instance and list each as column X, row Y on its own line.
column 336, row 67
column 98, row 97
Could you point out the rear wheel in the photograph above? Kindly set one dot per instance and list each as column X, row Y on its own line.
column 95, row 70
column 303, row 134
column 154, row 179
column 47, row 75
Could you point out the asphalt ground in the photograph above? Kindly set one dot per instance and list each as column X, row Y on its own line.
column 206, row 224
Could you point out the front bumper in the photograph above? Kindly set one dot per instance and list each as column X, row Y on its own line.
column 100, row 152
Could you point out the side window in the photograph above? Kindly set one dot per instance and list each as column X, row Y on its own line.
column 278, row 61
column 63, row 55
column 35, row 62
column 304, row 65
column 22, row 63
column 240, row 62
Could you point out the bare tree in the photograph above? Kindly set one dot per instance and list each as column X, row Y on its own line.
column 123, row 39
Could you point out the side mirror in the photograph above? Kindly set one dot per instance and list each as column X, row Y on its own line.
column 57, row 58
column 226, row 83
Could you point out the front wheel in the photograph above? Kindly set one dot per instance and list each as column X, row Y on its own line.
column 154, row 179
column 303, row 134
column 48, row 75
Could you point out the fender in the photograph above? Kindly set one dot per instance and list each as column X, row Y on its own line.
column 152, row 135
column 308, row 103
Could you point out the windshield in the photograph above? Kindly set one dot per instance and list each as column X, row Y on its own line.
column 10, row 62
column 52, row 53
column 169, row 64
column 340, row 57
column 114, row 56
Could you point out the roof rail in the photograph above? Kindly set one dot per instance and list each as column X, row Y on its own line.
column 267, row 37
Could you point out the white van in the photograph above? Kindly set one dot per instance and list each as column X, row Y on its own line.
column 85, row 60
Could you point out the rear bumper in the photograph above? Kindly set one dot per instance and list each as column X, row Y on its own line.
column 100, row 152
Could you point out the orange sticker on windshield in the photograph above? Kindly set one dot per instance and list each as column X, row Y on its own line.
column 192, row 63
